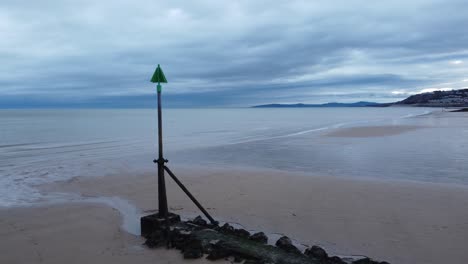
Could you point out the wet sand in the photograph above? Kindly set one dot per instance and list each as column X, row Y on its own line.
column 400, row 222
column 74, row 233
column 372, row 131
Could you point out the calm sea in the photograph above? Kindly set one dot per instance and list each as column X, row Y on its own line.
column 40, row 146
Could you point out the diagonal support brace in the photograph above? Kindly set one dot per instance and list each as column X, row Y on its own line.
column 214, row 222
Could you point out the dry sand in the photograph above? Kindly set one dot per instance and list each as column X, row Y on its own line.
column 400, row 222
column 372, row 131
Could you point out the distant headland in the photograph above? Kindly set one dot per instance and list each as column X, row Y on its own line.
column 357, row 104
column 453, row 98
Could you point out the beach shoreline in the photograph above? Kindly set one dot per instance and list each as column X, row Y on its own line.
column 399, row 222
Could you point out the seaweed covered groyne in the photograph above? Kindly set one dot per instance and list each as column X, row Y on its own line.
column 196, row 239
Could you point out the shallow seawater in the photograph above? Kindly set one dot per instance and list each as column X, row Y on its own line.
column 40, row 146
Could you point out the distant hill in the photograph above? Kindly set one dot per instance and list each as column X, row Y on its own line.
column 454, row 98
column 357, row 104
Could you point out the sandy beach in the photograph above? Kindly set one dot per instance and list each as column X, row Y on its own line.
column 400, row 222
column 96, row 220
column 73, row 233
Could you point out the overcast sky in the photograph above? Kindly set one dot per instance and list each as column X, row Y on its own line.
column 228, row 53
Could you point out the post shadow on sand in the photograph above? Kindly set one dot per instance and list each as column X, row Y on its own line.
column 163, row 216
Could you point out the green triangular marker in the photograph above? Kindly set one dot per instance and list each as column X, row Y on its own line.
column 158, row 76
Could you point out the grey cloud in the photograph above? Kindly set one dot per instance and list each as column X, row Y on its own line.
column 231, row 53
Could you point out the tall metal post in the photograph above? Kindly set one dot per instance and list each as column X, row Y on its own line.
column 158, row 77
column 163, row 210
